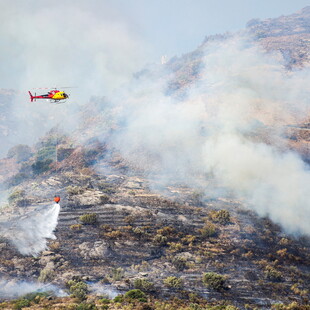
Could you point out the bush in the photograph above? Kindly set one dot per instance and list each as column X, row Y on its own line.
column 175, row 247
column 86, row 306
column 292, row 306
column 104, row 199
column 143, row 285
column 78, row 289
column 272, row 274
column 209, row 230
column 104, row 301
column 16, row 194
column 135, row 294
column 179, row 263
column 113, row 235
column 166, row 231
column 160, row 240
column 119, row 298
column 173, row 282
column 214, row 280
column 36, row 296
column 76, row 227
column 222, row 216
column 188, row 240
column 21, row 303
column 89, row 219
column 75, row 190
column 41, row 166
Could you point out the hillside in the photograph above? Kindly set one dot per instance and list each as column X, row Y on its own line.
column 287, row 34
column 142, row 226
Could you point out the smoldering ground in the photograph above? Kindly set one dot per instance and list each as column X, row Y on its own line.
column 12, row 288
column 229, row 129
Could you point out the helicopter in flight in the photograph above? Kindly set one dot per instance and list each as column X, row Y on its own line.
column 54, row 96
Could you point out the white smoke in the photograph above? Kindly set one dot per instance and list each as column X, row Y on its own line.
column 229, row 128
column 102, row 289
column 29, row 232
column 12, row 288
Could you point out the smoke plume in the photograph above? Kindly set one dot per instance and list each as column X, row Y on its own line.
column 29, row 232
column 11, row 289
column 229, row 130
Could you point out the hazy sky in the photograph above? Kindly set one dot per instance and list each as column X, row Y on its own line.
column 102, row 42
column 174, row 27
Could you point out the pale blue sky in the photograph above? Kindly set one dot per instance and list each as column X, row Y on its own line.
column 174, row 27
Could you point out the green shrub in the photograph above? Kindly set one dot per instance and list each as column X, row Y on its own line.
column 21, row 303
column 78, row 289
column 46, row 152
column 36, row 296
column 135, row 294
column 86, row 306
column 89, row 218
column 173, row 282
column 104, row 301
column 222, row 216
column 214, row 280
column 119, row 298
column 143, row 285
column 16, row 195
column 41, row 166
